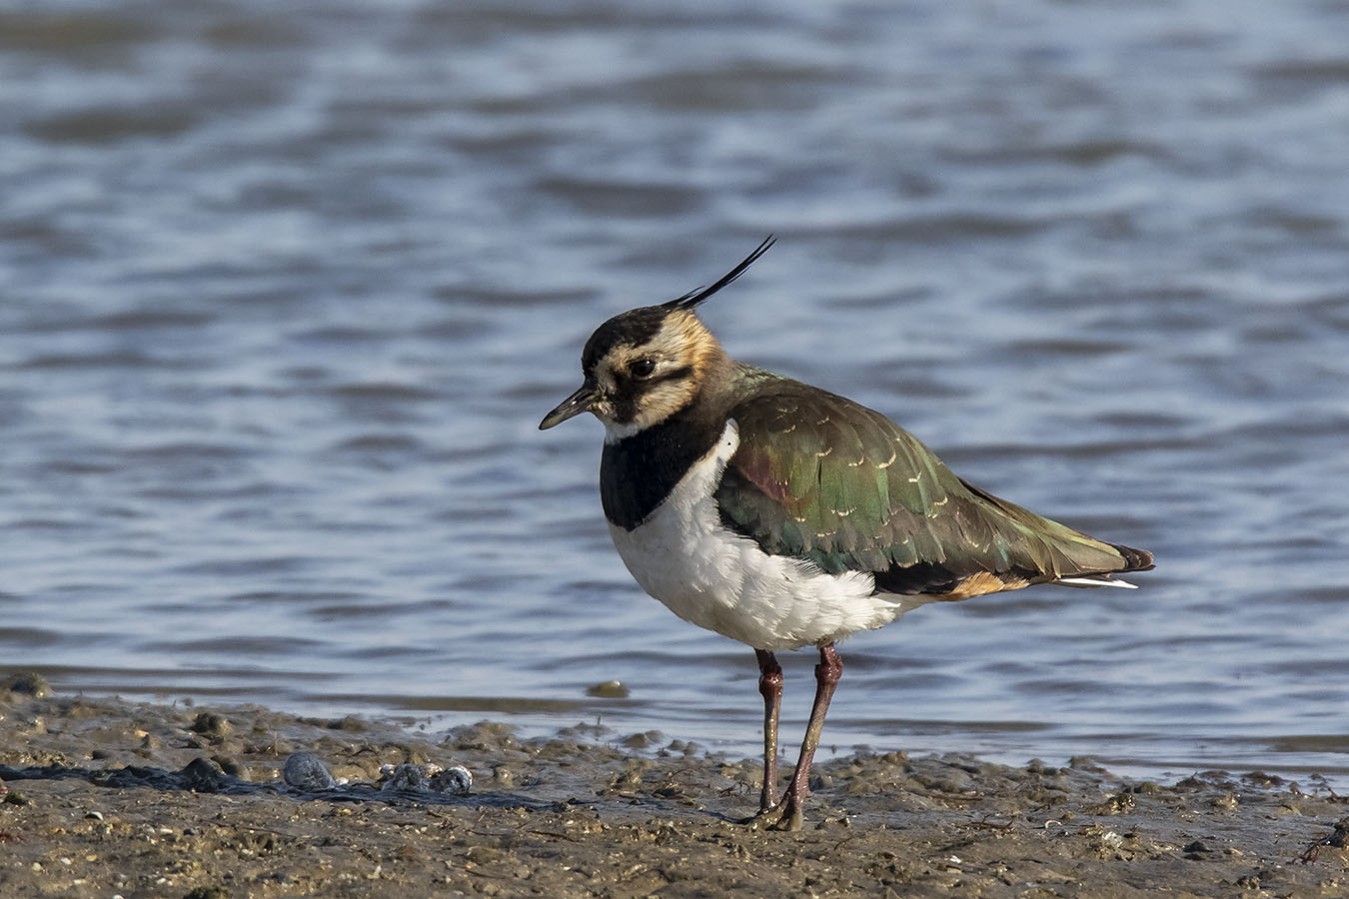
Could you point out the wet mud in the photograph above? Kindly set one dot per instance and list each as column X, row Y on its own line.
column 106, row 798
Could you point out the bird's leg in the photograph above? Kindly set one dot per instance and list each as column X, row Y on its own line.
column 787, row 814
column 770, row 687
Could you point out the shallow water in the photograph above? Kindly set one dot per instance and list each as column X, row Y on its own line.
column 287, row 291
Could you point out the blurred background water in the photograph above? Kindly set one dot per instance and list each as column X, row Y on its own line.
column 286, row 289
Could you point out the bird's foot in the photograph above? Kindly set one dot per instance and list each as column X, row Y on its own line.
column 784, row 816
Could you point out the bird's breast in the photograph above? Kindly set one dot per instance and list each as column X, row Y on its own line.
column 684, row 556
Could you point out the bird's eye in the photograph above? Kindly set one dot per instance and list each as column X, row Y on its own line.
column 642, row 368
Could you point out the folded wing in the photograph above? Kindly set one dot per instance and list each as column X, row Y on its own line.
column 819, row 477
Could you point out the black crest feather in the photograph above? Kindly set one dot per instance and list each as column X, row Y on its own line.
column 698, row 294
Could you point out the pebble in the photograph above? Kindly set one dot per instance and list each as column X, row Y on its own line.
column 430, row 778
column 211, row 725
column 304, row 771
column 610, row 689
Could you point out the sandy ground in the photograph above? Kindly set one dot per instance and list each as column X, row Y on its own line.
column 109, row 798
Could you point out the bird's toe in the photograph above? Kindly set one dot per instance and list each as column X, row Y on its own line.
column 785, row 816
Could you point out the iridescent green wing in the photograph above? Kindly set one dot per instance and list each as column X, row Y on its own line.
column 821, row 478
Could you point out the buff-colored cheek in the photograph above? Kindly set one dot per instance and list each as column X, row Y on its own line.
column 664, row 402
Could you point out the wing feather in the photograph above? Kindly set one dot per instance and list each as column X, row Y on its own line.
column 821, row 478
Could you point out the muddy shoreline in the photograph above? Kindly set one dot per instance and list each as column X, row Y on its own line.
column 108, row 798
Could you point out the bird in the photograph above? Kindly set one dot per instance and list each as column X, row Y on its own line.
column 784, row 516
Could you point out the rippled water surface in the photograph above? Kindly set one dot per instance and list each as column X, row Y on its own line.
column 287, row 289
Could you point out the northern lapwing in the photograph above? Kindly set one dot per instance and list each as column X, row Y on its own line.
column 782, row 515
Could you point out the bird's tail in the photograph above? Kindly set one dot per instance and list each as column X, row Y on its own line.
column 1134, row 560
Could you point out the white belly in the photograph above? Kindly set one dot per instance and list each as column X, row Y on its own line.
column 720, row 580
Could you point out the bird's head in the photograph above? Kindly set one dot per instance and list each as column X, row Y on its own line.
column 646, row 364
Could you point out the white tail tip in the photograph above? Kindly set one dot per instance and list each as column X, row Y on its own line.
column 1098, row 581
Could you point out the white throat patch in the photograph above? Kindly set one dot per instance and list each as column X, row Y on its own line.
column 616, row 432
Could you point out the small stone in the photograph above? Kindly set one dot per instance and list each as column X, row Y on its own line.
column 228, row 764
column 454, row 781
column 203, row 776
column 212, row 725
column 643, row 740
column 404, row 778
column 428, row 778
column 304, row 771
column 610, row 689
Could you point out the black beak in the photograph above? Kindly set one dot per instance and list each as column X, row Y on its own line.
column 574, row 405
